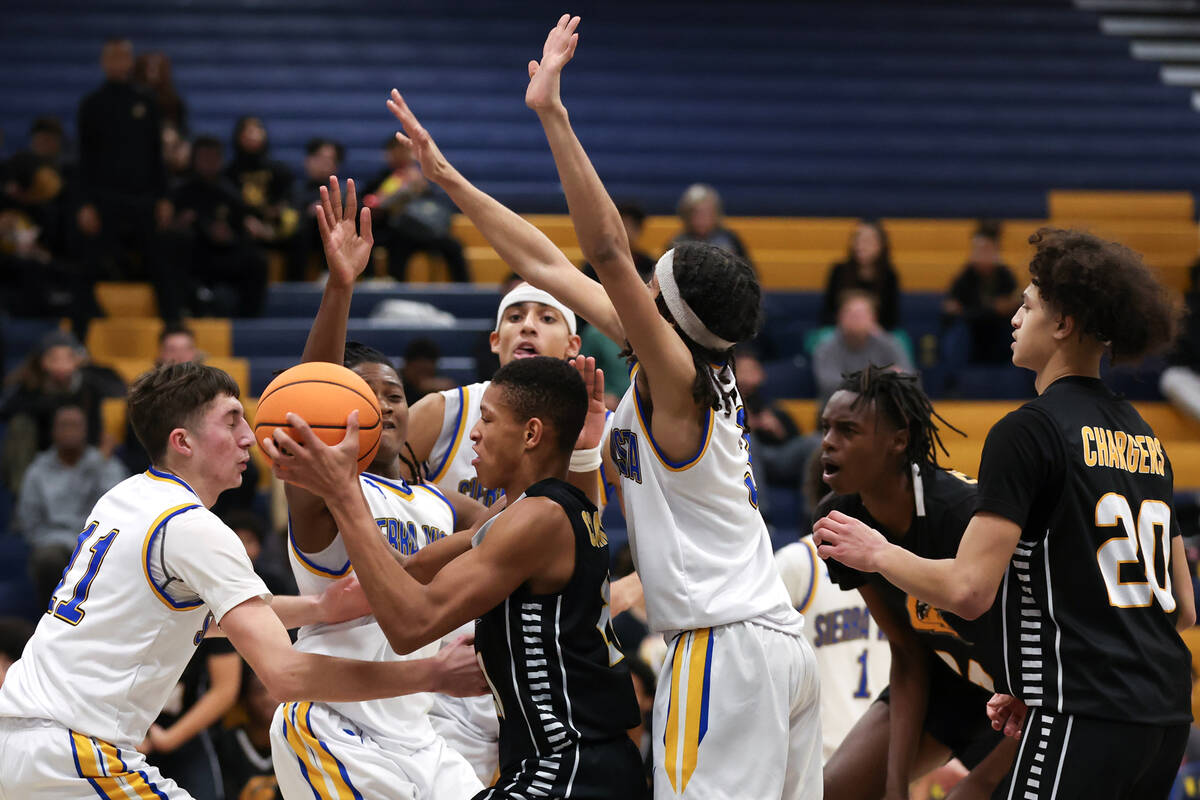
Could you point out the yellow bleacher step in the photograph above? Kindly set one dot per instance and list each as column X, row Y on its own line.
column 130, row 368
column 1120, row 205
column 137, row 337
column 126, row 299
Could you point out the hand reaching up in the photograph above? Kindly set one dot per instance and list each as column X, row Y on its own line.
column 347, row 250
column 433, row 164
column 592, row 433
column 545, row 76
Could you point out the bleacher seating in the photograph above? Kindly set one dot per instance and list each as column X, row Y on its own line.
column 908, row 108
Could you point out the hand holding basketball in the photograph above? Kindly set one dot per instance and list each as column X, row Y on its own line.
column 303, row 460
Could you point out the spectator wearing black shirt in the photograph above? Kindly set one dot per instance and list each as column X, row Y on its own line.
column 322, row 158
column 211, row 234
column 984, row 297
column 868, row 267
column 122, row 183
column 420, row 372
column 14, row 633
column 702, row 215
column 408, row 218
column 265, row 184
column 152, row 71
column 1180, row 381
column 245, row 750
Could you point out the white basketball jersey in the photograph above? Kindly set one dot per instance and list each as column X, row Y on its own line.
column 698, row 541
column 152, row 568
column 853, row 655
column 409, row 517
column 449, row 462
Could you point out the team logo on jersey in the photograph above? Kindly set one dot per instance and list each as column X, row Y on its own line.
column 928, row 619
column 595, row 529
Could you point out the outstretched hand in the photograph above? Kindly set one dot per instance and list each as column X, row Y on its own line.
column 545, row 76
column 593, row 424
column 347, row 250
column 433, row 164
column 302, row 459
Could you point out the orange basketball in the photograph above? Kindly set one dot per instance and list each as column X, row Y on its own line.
column 323, row 394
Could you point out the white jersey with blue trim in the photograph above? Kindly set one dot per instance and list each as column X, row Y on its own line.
column 449, row 463
column 698, row 541
column 854, row 657
column 409, row 517
column 151, row 570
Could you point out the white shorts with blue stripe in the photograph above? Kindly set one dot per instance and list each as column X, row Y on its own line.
column 42, row 760
column 321, row 755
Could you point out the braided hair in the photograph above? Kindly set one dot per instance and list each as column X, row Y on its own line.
column 358, row 353
column 724, row 292
column 900, row 398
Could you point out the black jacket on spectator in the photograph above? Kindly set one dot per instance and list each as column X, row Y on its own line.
column 990, row 332
column 120, row 143
column 885, row 285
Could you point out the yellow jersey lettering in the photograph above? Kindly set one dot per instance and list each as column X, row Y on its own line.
column 1089, row 446
column 596, row 534
column 1119, row 438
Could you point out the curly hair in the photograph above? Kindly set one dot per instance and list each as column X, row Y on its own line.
column 1107, row 290
column 724, row 292
column 900, row 398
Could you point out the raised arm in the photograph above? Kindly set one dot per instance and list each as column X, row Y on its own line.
column 522, row 246
column 347, row 252
column 664, row 357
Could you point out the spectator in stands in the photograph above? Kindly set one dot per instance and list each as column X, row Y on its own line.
column 868, row 267
column 56, row 373
column 420, row 372
column 265, row 184
column 36, row 278
column 122, row 181
column 176, row 345
column 633, row 217
column 1180, row 381
column 152, row 72
column 983, row 298
column 245, row 751
column 322, row 158
column 858, row 341
column 702, row 215
column 408, row 218
column 46, row 140
column 57, row 492
column 14, row 633
column 212, row 235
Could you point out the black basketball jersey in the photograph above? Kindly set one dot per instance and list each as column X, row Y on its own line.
column 1085, row 606
column 553, row 661
column 950, row 500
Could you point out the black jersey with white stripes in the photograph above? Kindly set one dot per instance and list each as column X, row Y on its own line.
column 1087, row 604
column 553, row 661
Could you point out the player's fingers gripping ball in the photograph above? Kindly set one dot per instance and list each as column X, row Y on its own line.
column 323, row 395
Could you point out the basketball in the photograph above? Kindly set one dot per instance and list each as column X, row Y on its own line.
column 323, row 394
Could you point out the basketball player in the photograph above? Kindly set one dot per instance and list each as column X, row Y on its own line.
column 738, row 659
column 1075, row 539
column 852, row 651
column 535, row 576
column 879, row 455
column 379, row 748
column 153, row 568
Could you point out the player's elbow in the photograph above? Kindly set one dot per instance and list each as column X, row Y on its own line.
column 971, row 602
column 1186, row 617
column 408, row 637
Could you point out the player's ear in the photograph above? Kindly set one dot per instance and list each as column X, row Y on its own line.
column 494, row 342
column 574, row 342
column 534, row 430
column 179, row 441
column 900, row 441
column 1064, row 326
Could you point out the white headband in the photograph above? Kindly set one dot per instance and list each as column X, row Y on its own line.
column 524, row 293
column 680, row 310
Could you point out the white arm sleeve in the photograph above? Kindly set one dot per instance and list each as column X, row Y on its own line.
column 202, row 557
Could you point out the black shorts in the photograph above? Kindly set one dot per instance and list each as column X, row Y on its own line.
column 956, row 715
column 1063, row 755
column 609, row 770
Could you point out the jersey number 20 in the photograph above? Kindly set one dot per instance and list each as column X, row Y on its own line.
column 71, row 609
column 1140, row 543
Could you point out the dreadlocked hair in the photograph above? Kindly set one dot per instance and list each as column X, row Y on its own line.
column 358, row 353
column 723, row 290
column 900, row 398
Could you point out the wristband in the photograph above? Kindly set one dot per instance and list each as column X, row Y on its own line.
column 585, row 460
